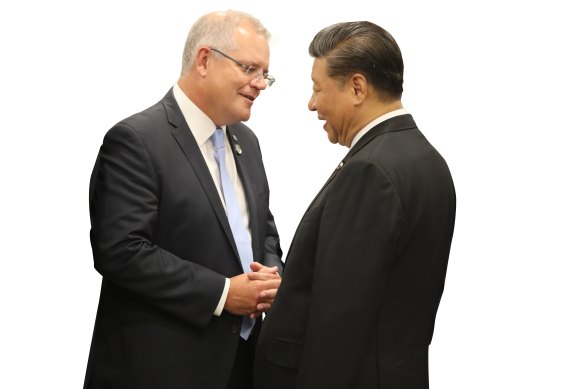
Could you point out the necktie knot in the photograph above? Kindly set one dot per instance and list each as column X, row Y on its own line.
column 218, row 138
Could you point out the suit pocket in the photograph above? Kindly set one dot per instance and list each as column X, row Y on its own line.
column 284, row 353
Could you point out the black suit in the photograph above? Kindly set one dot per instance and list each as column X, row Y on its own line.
column 162, row 242
column 365, row 271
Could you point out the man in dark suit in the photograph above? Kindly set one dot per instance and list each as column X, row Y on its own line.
column 366, row 269
column 181, row 229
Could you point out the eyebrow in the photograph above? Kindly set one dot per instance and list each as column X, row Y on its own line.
column 250, row 63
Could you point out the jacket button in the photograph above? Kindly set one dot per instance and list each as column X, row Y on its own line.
column 235, row 329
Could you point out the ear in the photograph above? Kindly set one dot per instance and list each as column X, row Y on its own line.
column 359, row 87
column 201, row 60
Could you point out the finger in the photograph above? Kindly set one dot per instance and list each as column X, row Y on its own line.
column 267, row 295
column 272, row 270
column 272, row 284
column 262, row 276
column 263, row 307
column 256, row 266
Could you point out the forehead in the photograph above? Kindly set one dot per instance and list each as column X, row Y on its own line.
column 252, row 44
column 320, row 70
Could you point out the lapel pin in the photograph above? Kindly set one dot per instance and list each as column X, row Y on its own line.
column 235, row 138
column 238, row 149
column 340, row 165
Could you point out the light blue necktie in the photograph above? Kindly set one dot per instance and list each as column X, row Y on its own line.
column 235, row 216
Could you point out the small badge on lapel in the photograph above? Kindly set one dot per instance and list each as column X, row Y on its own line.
column 238, row 149
column 340, row 165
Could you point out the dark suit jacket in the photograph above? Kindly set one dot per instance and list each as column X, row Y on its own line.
column 162, row 242
column 365, row 271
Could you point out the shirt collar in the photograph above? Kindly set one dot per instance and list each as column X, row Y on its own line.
column 200, row 124
column 380, row 119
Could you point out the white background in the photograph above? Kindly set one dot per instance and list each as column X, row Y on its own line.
column 495, row 86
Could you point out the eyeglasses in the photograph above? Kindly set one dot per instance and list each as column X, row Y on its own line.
column 250, row 70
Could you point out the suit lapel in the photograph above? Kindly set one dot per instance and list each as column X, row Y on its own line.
column 330, row 179
column 249, row 188
column 187, row 143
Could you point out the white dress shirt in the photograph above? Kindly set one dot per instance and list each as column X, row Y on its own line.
column 203, row 128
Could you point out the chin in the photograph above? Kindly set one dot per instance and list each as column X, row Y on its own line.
column 332, row 139
column 331, row 136
column 245, row 116
column 240, row 118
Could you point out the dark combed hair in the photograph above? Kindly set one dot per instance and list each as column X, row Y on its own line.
column 365, row 48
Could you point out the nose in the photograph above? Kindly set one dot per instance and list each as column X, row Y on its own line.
column 312, row 103
column 259, row 82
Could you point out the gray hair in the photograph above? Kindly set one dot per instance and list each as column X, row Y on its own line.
column 365, row 48
column 217, row 30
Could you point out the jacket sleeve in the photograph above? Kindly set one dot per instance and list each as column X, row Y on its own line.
column 359, row 225
column 123, row 203
column 273, row 251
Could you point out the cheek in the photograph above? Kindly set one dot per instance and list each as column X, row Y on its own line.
column 323, row 104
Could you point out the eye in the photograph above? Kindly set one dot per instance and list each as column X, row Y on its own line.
column 249, row 69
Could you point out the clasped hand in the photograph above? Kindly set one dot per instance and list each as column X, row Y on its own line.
column 253, row 293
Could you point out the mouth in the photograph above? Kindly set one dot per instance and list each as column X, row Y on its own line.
column 248, row 97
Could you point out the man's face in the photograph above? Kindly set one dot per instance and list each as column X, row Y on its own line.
column 232, row 90
column 331, row 99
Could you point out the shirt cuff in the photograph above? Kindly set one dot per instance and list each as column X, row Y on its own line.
column 223, row 299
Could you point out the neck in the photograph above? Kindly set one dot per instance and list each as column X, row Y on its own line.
column 367, row 115
column 190, row 89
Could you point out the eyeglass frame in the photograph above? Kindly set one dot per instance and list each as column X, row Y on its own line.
column 268, row 78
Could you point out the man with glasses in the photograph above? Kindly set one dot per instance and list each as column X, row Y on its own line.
column 181, row 229
column 366, row 269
